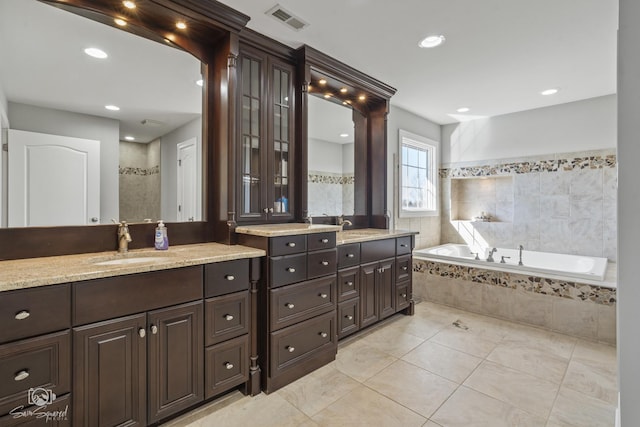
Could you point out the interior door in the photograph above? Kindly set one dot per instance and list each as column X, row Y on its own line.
column 187, row 181
column 52, row 180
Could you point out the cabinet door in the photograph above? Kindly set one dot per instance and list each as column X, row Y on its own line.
column 110, row 381
column 369, row 297
column 387, row 287
column 175, row 362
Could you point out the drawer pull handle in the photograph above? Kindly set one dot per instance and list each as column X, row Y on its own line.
column 291, row 244
column 289, row 305
column 21, row 315
column 228, row 317
column 349, row 317
column 349, row 284
column 22, row 375
column 323, row 334
column 324, row 240
column 228, row 365
column 403, row 245
column 291, row 270
column 323, row 295
column 230, row 277
column 154, row 329
column 325, row 263
column 350, row 255
column 403, row 295
column 142, row 332
column 291, row 349
column 405, row 268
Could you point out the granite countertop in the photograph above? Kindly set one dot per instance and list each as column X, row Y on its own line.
column 289, row 229
column 33, row 272
column 369, row 234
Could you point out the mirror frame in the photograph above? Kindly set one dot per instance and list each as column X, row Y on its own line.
column 370, row 130
column 212, row 37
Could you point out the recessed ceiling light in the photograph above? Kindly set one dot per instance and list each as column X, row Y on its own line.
column 200, row 82
column 327, row 95
column 463, row 109
column 112, row 107
column 343, row 90
column 129, row 4
column 344, row 135
column 322, row 81
column 95, row 52
column 181, row 25
column 362, row 97
column 120, row 22
column 549, row 91
column 129, row 138
column 432, row 41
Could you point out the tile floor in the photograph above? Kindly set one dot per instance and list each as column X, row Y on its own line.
column 442, row 367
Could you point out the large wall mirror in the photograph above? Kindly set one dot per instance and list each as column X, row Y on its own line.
column 331, row 172
column 73, row 158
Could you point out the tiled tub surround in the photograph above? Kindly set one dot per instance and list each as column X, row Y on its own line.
column 330, row 193
column 574, row 308
column 562, row 203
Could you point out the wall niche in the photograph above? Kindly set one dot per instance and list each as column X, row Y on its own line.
column 491, row 195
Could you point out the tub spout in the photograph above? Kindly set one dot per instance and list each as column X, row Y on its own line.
column 520, row 249
column 491, row 252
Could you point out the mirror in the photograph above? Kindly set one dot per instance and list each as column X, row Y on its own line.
column 330, row 158
column 50, row 87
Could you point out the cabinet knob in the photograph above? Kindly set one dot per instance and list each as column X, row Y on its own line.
column 349, row 284
column 230, row 277
column 405, row 268
column 323, row 334
column 291, row 270
column 21, row 315
column 228, row 365
column 323, row 295
column 350, row 255
column 270, row 210
column 290, row 349
column 22, row 375
column 289, row 305
column 154, row 329
column 324, row 241
column 291, row 244
column 228, row 317
column 266, row 210
column 349, row 317
column 142, row 332
column 325, row 263
column 403, row 295
column 403, row 245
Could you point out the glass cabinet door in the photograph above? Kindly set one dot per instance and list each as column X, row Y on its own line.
column 251, row 203
column 281, row 79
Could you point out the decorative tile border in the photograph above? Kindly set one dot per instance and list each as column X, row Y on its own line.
column 329, row 178
column 569, row 164
column 540, row 285
column 139, row 171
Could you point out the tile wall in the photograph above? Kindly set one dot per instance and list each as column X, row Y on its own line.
column 139, row 177
column 563, row 203
column 330, row 193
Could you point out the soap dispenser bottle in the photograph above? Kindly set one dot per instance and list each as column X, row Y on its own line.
column 161, row 239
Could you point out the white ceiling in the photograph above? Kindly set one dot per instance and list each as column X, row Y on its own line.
column 497, row 57
column 328, row 120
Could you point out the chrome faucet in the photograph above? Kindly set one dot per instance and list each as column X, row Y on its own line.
column 123, row 237
column 342, row 222
column 491, row 252
column 520, row 249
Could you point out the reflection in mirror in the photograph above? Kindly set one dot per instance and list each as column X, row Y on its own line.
column 330, row 158
column 84, row 163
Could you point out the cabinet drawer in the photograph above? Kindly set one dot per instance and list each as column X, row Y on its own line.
column 226, row 365
column 348, row 317
column 403, row 245
column 41, row 362
column 295, row 344
column 288, row 269
column 348, row 255
column 319, row 241
column 226, row 277
column 226, row 317
column 377, row 250
column 403, row 295
column 294, row 303
column 321, row 263
column 348, row 283
column 61, row 407
column 287, row 245
column 102, row 299
column 29, row 312
column 403, row 267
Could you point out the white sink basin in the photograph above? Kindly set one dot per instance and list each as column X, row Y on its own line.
column 126, row 261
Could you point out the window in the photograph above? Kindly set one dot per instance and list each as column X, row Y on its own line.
column 418, row 175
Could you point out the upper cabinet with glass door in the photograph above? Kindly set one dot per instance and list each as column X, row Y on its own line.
column 266, row 148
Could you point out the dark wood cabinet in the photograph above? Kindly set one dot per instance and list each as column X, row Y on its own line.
column 378, row 293
column 266, row 130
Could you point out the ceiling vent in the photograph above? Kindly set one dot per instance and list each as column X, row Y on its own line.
column 287, row 18
column 151, row 122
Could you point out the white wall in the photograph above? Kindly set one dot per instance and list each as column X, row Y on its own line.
column 58, row 122
column 4, row 124
column 628, row 208
column 576, row 126
column 428, row 227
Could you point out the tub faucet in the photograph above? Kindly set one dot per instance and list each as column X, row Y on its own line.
column 123, row 237
column 502, row 261
column 491, row 252
column 520, row 249
column 476, row 254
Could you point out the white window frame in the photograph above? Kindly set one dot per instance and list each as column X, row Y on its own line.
column 412, row 140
